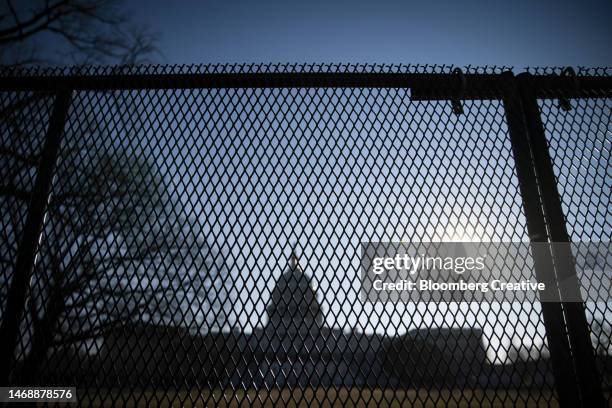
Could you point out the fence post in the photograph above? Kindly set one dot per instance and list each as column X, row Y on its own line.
column 24, row 264
column 583, row 354
column 552, row 312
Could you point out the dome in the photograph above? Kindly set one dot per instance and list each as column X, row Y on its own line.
column 293, row 305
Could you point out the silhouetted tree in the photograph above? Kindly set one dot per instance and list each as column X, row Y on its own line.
column 94, row 237
column 87, row 30
column 116, row 249
column 116, row 246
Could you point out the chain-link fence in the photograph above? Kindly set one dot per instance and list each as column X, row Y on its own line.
column 191, row 236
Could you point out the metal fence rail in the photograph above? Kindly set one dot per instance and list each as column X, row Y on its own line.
column 190, row 235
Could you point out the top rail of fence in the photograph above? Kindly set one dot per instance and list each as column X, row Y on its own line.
column 428, row 83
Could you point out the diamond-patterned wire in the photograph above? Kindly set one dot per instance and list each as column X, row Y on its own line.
column 580, row 145
column 201, row 247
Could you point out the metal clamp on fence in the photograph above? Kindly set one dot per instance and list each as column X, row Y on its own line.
column 564, row 102
column 456, row 102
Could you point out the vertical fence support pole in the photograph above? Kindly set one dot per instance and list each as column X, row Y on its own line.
column 24, row 264
column 552, row 313
column 583, row 354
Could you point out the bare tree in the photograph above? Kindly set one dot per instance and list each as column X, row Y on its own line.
column 93, row 229
column 84, row 31
column 116, row 250
column 117, row 247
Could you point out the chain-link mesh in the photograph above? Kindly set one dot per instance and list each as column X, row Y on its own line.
column 580, row 142
column 23, row 122
column 202, row 246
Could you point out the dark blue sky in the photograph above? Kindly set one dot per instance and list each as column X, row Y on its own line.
column 518, row 32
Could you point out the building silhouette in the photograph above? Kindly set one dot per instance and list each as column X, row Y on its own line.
column 296, row 349
column 293, row 306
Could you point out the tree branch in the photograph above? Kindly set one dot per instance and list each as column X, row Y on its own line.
column 47, row 15
column 93, row 28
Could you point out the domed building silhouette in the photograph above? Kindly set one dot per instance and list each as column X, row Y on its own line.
column 293, row 306
column 296, row 348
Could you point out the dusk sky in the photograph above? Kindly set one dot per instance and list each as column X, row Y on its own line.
column 516, row 33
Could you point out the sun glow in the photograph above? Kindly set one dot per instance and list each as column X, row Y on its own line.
column 459, row 233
